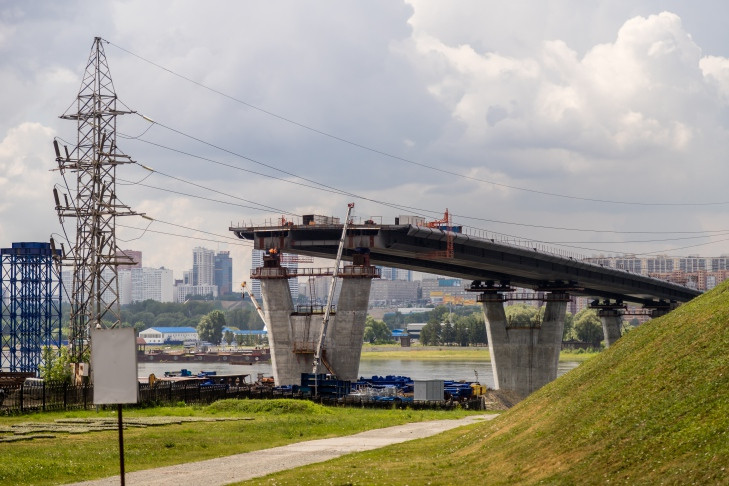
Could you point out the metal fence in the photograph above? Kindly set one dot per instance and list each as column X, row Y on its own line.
column 49, row 396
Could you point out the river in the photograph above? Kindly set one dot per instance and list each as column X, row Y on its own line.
column 415, row 369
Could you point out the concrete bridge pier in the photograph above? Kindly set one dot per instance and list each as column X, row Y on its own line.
column 524, row 358
column 612, row 321
column 278, row 309
column 293, row 335
column 343, row 345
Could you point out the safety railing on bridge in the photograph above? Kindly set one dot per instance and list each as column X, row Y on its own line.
column 365, row 271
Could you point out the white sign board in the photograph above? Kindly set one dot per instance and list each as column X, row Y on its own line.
column 114, row 366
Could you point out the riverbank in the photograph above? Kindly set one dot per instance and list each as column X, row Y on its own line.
column 452, row 353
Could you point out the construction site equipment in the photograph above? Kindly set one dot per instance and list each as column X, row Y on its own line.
column 30, row 306
column 330, row 298
column 446, row 226
column 246, row 290
column 289, row 258
column 326, row 386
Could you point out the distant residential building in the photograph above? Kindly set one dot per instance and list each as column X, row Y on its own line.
column 183, row 292
column 151, row 284
column 701, row 273
column 388, row 273
column 389, row 292
column 125, row 286
column 223, row 273
column 203, row 266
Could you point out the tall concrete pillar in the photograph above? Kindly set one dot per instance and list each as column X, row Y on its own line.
column 343, row 346
column 524, row 358
column 612, row 321
column 278, row 307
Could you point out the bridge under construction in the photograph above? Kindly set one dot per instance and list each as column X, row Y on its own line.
column 523, row 358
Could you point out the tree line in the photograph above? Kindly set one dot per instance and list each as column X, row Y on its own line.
column 464, row 325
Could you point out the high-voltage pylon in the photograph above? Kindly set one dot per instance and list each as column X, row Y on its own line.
column 94, row 256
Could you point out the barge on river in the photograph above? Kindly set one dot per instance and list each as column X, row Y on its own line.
column 244, row 357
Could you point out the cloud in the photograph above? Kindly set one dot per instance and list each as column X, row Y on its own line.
column 26, row 184
column 608, row 100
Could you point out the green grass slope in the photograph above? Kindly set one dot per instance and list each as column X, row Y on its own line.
column 652, row 409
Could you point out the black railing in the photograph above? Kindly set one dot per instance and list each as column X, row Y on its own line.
column 54, row 396
column 49, row 396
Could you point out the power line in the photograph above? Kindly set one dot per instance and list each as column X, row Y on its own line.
column 393, row 205
column 147, row 230
column 403, row 159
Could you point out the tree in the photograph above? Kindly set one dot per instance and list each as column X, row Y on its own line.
column 210, row 327
column 522, row 315
column 588, row 327
column 569, row 323
column 228, row 336
column 474, row 326
column 239, row 339
column 448, row 334
column 430, row 334
column 376, row 331
column 56, row 367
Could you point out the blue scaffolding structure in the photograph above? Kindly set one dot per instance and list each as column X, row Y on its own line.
column 30, row 309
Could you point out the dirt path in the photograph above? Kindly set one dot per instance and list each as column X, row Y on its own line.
column 240, row 467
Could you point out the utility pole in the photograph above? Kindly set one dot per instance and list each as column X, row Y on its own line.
column 94, row 255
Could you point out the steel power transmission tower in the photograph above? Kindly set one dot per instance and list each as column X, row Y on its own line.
column 94, row 255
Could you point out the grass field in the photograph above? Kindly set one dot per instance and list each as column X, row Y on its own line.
column 652, row 409
column 248, row 425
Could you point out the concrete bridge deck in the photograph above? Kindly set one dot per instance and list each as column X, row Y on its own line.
column 414, row 247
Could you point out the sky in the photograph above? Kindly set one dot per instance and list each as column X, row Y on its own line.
column 593, row 127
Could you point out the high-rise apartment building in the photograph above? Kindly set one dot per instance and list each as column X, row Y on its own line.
column 203, row 266
column 223, row 276
column 702, row 273
column 152, row 284
column 388, row 273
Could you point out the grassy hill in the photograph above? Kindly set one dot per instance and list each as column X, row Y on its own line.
column 652, row 409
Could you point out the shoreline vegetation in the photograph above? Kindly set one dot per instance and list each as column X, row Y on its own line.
column 453, row 353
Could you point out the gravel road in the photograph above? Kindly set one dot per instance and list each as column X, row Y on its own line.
column 240, row 467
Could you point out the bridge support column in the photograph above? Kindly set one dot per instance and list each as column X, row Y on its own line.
column 343, row 346
column 612, row 321
column 293, row 336
column 524, row 359
column 278, row 309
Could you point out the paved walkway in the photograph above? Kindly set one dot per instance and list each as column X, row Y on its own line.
column 240, row 467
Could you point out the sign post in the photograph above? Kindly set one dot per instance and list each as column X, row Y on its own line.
column 114, row 373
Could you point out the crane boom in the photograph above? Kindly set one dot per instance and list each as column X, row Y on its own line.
column 327, row 309
column 245, row 288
